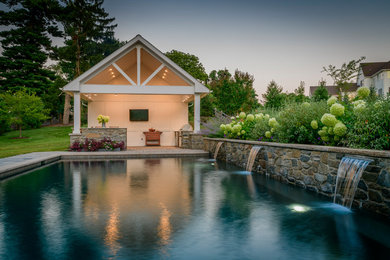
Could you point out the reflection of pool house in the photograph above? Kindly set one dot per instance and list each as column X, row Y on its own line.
column 139, row 88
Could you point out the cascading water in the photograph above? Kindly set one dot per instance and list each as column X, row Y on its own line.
column 217, row 147
column 348, row 176
column 251, row 158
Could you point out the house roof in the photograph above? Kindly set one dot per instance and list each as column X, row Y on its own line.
column 370, row 68
column 137, row 40
column 333, row 90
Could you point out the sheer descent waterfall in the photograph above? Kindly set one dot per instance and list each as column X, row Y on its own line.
column 252, row 157
column 217, row 147
column 348, row 176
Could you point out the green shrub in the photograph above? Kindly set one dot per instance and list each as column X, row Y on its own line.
column 296, row 122
column 264, row 128
column 372, row 126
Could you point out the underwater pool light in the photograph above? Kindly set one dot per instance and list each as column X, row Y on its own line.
column 299, row 208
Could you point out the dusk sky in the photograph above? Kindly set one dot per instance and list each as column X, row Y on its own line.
column 285, row 41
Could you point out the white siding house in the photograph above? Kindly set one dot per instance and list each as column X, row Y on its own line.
column 375, row 74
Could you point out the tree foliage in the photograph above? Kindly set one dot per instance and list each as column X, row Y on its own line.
column 233, row 93
column 86, row 26
column 300, row 93
column 26, row 45
column 190, row 63
column 273, row 97
column 344, row 75
column 321, row 93
column 24, row 110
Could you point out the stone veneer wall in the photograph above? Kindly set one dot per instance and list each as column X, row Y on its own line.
column 115, row 134
column 190, row 140
column 313, row 167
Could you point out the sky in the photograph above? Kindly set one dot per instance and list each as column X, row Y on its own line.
column 283, row 40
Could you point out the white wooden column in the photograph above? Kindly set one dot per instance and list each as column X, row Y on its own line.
column 196, row 113
column 138, row 65
column 76, row 112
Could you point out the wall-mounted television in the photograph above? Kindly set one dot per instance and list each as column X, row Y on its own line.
column 139, row 114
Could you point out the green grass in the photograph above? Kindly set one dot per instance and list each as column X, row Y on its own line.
column 39, row 140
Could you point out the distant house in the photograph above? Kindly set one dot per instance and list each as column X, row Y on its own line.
column 334, row 91
column 375, row 74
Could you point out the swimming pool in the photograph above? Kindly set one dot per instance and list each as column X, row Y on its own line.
column 176, row 208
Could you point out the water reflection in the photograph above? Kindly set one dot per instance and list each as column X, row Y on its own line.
column 173, row 208
column 164, row 227
column 112, row 231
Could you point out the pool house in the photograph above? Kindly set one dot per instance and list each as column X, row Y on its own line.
column 139, row 89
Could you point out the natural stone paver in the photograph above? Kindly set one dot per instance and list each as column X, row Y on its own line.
column 15, row 164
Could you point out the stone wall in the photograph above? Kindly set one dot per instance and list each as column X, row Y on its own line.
column 115, row 134
column 313, row 168
column 190, row 140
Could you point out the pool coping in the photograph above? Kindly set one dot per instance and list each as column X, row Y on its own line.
column 14, row 165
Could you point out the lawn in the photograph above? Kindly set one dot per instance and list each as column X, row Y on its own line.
column 39, row 140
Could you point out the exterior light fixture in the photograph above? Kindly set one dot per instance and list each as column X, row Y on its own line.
column 299, row 208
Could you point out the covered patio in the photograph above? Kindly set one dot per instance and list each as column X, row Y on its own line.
column 139, row 88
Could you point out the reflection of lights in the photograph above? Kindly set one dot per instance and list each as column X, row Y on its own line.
column 299, row 208
column 164, row 227
column 112, row 231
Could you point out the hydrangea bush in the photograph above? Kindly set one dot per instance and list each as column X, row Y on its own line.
column 363, row 122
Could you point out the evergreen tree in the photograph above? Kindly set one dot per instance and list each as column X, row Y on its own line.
column 26, row 45
column 321, row 93
column 273, row 97
column 300, row 93
column 86, row 23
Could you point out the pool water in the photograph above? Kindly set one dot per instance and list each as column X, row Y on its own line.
column 175, row 208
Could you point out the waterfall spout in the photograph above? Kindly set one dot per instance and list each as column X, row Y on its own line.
column 348, row 176
column 217, row 147
column 252, row 157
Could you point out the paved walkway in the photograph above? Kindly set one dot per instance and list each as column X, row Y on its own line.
column 15, row 164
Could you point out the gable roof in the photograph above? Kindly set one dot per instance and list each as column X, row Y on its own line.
column 371, row 68
column 333, row 90
column 74, row 85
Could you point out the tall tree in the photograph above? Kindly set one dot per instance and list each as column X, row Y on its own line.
column 344, row 75
column 273, row 97
column 233, row 93
column 85, row 22
column 191, row 64
column 26, row 45
column 300, row 92
column 321, row 93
